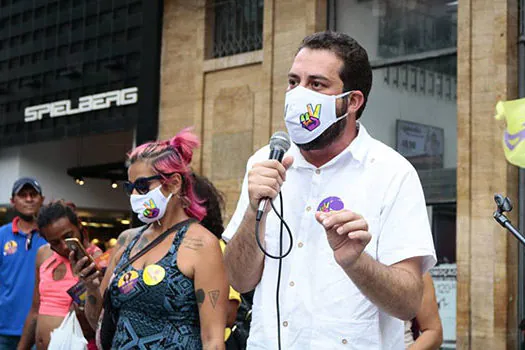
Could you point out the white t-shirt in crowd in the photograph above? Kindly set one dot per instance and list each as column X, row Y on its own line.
column 320, row 306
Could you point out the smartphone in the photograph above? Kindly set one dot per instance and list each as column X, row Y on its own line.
column 75, row 246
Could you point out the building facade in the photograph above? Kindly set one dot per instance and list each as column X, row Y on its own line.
column 79, row 85
column 81, row 82
column 439, row 69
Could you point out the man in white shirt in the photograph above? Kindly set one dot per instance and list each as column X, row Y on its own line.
column 356, row 210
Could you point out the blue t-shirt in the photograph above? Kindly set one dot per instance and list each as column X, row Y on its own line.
column 17, row 277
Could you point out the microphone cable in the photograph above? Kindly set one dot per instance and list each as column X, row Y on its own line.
column 279, row 257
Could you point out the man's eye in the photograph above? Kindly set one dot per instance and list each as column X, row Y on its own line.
column 291, row 82
column 317, row 85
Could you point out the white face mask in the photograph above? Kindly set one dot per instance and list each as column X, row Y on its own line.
column 307, row 114
column 150, row 207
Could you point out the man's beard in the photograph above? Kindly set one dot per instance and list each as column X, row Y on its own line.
column 326, row 138
column 331, row 134
column 25, row 217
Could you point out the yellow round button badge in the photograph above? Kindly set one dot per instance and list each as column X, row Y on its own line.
column 153, row 275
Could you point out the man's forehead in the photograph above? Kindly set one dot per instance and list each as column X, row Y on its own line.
column 317, row 62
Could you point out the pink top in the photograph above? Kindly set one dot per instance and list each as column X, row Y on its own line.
column 54, row 300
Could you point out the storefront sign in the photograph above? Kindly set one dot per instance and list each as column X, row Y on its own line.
column 422, row 145
column 85, row 104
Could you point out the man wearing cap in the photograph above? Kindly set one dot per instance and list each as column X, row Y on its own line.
column 19, row 243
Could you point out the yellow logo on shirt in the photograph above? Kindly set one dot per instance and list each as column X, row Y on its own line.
column 10, row 248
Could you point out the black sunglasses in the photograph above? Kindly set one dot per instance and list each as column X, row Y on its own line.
column 141, row 184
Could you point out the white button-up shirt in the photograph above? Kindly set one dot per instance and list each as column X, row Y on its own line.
column 320, row 306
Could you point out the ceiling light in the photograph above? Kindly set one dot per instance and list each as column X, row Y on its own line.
column 114, row 184
column 125, row 222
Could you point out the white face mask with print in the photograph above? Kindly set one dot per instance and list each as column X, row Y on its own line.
column 150, row 207
column 307, row 114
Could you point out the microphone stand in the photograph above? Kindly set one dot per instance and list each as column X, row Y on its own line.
column 504, row 205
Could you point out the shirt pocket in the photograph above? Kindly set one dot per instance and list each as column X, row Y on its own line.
column 346, row 334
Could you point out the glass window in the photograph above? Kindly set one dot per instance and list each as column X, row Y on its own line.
column 412, row 48
column 237, row 26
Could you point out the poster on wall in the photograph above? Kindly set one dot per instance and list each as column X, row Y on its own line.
column 423, row 145
column 444, row 277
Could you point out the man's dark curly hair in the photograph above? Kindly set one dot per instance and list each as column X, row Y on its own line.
column 213, row 202
column 356, row 72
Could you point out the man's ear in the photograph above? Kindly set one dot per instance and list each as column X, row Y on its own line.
column 355, row 100
column 12, row 201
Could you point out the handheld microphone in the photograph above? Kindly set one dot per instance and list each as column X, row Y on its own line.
column 279, row 144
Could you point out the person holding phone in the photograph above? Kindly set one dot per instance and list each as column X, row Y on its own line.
column 57, row 222
column 174, row 295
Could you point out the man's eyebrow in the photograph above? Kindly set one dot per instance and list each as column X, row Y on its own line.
column 310, row 77
column 318, row 77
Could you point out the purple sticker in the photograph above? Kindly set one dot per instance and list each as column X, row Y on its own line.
column 330, row 204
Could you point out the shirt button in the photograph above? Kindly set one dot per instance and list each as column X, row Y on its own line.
column 344, row 341
column 292, row 284
column 285, row 324
column 300, row 244
column 308, row 208
column 317, row 171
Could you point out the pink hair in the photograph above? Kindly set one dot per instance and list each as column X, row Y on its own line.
column 173, row 156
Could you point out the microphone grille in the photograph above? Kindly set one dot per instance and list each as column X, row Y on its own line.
column 280, row 139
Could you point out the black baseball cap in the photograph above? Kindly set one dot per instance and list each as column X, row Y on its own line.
column 20, row 183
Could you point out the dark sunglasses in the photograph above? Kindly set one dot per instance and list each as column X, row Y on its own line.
column 141, row 185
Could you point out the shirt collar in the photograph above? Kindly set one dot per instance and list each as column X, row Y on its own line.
column 15, row 229
column 357, row 149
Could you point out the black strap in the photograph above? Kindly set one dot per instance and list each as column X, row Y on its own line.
column 153, row 243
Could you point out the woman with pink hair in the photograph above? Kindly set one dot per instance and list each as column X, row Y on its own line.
column 166, row 285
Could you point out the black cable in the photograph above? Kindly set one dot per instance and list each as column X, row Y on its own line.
column 279, row 275
column 280, row 257
column 258, row 239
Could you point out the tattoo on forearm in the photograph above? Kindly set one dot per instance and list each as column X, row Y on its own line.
column 199, row 294
column 193, row 243
column 214, row 296
column 92, row 299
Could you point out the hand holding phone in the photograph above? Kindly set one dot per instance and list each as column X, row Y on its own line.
column 86, row 270
column 78, row 249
